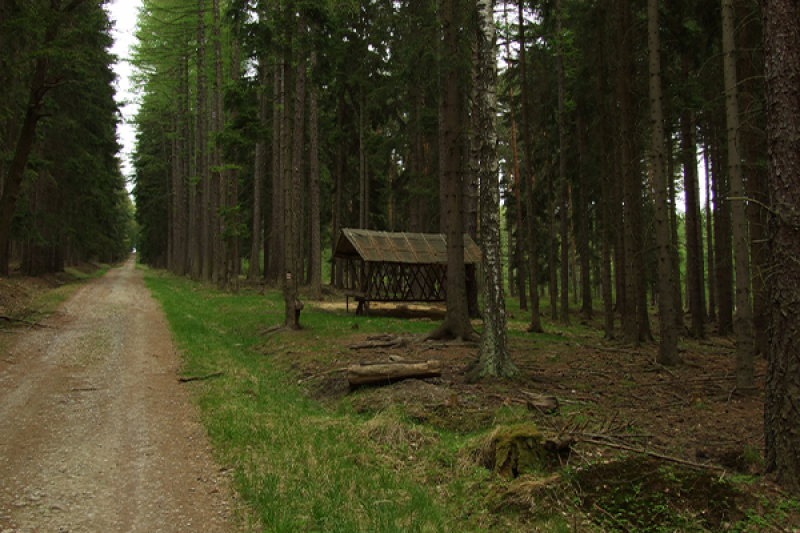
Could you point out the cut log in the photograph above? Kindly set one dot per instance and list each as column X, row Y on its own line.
column 384, row 373
column 545, row 404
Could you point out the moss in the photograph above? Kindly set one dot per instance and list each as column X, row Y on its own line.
column 512, row 451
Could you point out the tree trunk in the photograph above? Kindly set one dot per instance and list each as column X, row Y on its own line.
column 624, row 82
column 582, row 218
column 313, row 168
column 277, row 259
column 519, row 249
column 298, row 157
column 754, row 147
column 563, row 199
column 781, row 20
column 668, row 347
column 219, row 273
column 535, row 325
column 287, row 169
column 363, row 176
column 722, row 245
column 493, row 358
column 694, row 258
column 553, row 248
column 675, row 247
column 712, row 279
column 199, row 264
column 180, row 239
column 337, row 274
column 744, row 312
column 259, row 170
column 456, row 323
column 606, row 195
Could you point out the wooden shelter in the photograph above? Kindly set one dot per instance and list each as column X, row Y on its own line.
column 398, row 267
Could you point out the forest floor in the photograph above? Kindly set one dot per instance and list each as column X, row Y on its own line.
column 96, row 433
column 614, row 398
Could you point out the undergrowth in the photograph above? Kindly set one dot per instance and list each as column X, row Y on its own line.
column 302, row 466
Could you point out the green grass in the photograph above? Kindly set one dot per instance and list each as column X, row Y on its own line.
column 301, row 466
column 297, row 466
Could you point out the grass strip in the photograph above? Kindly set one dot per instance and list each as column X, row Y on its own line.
column 297, row 466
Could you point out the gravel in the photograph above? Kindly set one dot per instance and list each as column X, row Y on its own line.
column 96, row 433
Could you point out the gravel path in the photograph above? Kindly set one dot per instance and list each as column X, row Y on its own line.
column 96, row 434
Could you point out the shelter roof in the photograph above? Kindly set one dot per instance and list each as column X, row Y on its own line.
column 414, row 248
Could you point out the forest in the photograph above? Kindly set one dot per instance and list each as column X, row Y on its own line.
column 642, row 156
column 62, row 193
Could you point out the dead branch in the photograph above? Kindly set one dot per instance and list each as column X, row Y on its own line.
column 273, row 329
column 620, row 436
column 690, row 464
column 200, row 378
column 703, row 379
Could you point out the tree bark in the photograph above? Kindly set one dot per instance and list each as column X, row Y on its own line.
column 694, row 257
column 493, row 357
column 313, row 169
column 676, row 262
column 337, row 274
column 201, row 253
column 456, row 323
column 712, row 279
column 744, row 312
column 781, row 22
column 624, row 82
column 218, row 176
column 606, row 195
column 722, row 245
column 385, row 373
column 535, row 325
column 563, row 199
column 298, row 157
column 519, row 249
column 668, row 346
column 259, row 170
column 582, row 217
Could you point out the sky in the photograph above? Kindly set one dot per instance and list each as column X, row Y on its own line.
column 122, row 14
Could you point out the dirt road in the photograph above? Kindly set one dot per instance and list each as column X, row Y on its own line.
column 96, row 434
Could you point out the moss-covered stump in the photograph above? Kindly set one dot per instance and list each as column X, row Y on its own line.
column 512, row 451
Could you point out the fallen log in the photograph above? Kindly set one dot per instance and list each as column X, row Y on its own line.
column 384, row 373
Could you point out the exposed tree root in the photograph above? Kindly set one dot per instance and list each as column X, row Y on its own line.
column 447, row 331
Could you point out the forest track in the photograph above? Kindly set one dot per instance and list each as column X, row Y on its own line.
column 96, row 433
